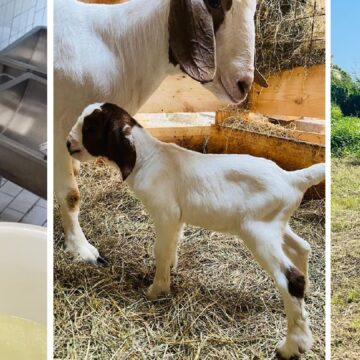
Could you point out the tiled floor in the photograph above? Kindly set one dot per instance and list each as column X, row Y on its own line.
column 20, row 205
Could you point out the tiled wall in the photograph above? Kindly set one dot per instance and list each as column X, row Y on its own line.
column 19, row 205
column 18, row 17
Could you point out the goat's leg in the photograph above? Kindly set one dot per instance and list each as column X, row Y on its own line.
column 179, row 235
column 68, row 196
column 298, row 250
column 174, row 259
column 265, row 242
column 165, row 249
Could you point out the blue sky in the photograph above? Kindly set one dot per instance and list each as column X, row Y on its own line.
column 345, row 40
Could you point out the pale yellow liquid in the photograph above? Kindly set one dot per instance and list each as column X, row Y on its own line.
column 21, row 339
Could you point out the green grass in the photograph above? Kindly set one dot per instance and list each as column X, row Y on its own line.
column 345, row 134
column 345, row 258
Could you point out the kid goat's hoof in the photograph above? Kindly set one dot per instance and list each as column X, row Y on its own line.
column 101, row 261
column 154, row 293
column 280, row 357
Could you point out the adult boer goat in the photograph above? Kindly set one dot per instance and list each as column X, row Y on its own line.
column 237, row 194
column 121, row 53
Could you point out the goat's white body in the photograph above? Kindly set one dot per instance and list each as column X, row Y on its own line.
column 118, row 53
column 250, row 197
column 238, row 194
column 217, row 192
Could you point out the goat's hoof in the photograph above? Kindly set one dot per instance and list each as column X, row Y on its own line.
column 283, row 352
column 298, row 341
column 174, row 266
column 280, row 357
column 101, row 261
column 85, row 252
column 154, row 293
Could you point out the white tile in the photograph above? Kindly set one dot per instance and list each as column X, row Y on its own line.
column 5, row 200
column 36, row 216
column 11, row 189
column 40, row 4
column 18, row 7
column 24, row 201
column 30, row 17
column 9, row 14
column 42, row 203
column 18, row 17
column 29, row 4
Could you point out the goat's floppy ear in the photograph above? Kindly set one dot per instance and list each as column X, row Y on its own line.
column 122, row 150
column 227, row 4
column 192, row 38
column 259, row 79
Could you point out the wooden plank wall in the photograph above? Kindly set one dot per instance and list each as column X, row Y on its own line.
column 298, row 92
column 289, row 154
column 179, row 93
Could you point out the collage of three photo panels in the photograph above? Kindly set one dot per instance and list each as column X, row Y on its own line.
column 179, row 179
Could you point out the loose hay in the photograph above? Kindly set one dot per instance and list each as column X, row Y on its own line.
column 289, row 33
column 259, row 125
column 223, row 305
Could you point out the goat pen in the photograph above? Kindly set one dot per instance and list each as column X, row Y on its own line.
column 223, row 305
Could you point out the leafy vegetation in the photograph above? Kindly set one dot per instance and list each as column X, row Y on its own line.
column 345, row 113
column 345, row 91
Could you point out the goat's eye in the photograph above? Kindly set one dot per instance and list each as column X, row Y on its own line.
column 215, row 4
column 90, row 130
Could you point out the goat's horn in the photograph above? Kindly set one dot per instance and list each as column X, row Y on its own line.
column 259, row 79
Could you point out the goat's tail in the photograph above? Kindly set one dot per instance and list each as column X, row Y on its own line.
column 305, row 178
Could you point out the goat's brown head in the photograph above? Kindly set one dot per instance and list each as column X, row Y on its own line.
column 213, row 41
column 104, row 130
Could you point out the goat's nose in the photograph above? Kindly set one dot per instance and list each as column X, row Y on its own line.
column 244, row 85
column 68, row 144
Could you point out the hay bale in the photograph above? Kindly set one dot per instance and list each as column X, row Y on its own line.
column 289, row 33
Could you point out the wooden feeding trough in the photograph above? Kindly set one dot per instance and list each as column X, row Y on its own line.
column 297, row 95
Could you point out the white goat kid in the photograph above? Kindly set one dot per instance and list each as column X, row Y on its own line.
column 121, row 53
column 237, row 194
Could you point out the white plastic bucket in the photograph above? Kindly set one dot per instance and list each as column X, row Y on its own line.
column 23, row 271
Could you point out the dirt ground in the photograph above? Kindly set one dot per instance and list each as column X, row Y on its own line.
column 345, row 259
column 222, row 306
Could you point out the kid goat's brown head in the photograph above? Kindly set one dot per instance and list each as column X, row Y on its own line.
column 104, row 130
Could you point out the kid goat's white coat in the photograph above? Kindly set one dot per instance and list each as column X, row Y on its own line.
column 121, row 53
column 237, row 194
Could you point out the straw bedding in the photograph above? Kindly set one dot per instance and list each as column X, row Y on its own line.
column 222, row 305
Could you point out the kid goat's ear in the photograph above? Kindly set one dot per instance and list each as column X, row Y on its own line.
column 121, row 150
